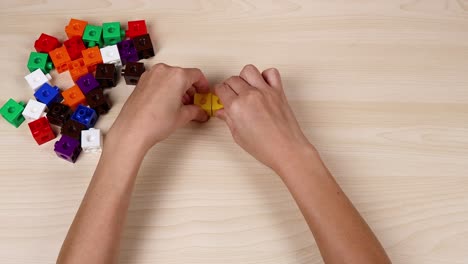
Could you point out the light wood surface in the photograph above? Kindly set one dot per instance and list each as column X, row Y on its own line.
column 380, row 87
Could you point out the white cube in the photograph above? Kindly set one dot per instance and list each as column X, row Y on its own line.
column 34, row 110
column 110, row 54
column 37, row 78
column 91, row 140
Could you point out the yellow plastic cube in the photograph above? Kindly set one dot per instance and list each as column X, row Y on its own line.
column 204, row 101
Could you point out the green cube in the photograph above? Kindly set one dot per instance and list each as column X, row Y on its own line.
column 92, row 36
column 41, row 61
column 112, row 33
column 12, row 112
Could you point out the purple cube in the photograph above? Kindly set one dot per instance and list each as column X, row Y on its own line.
column 127, row 51
column 87, row 83
column 67, row 148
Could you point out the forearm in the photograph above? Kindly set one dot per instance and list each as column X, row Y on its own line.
column 341, row 233
column 95, row 232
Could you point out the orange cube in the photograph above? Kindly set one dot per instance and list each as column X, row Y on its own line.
column 92, row 57
column 75, row 28
column 77, row 68
column 73, row 96
column 60, row 58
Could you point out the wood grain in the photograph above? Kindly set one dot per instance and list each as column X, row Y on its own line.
column 380, row 87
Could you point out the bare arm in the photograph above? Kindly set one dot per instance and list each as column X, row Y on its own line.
column 262, row 123
column 155, row 109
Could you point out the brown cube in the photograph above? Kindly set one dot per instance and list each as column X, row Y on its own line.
column 143, row 46
column 73, row 129
column 133, row 72
column 106, row 75
column 98, row 101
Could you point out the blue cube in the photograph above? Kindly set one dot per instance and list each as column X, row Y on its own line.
column 85, row 115
column 48, row 94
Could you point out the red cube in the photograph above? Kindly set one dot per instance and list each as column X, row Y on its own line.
column 46, row 43
column 41, row 130
column 74, row 47
column 136, row 28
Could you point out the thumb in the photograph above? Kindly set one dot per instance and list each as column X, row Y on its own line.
column 189, row 113
column 221, row 114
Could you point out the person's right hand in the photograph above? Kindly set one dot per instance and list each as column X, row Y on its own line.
column 259, row 117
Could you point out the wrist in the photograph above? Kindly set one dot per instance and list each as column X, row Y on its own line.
column 119, row 142
column 299, row 158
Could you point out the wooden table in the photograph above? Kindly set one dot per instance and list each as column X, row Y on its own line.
column 380, row 87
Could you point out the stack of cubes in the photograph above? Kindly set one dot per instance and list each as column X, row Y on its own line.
column 93, row 56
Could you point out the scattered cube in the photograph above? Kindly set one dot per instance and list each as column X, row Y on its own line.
column 41, row 130
column 112, row 33
column 110, row 54
column 106, row 75
column 133, row 72
column 127, row 51
column 58, row 114
column 46, row 43
column 74, row 46
column 87, row 83
column 67, row 148
column 34, row 110
column 60, row 58
column 12, row 112
column 204, row 101
column 75, row 28
column 92, row 57
column 73, row 97
column 77, row 68
column 143, row 46
column 41, row 61
column 215, row 104
column 98, row 101
column 48, row 94
column 85, row 115
column 136, row 28
column 92, row 36
column 91, row 140
column 37, row 78
column 72, row 129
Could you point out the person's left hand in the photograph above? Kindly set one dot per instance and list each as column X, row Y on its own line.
column 160, row 104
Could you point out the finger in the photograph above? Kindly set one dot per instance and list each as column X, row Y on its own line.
column 196, row 79
column 191, row 113
column 225, row 94
column 221, row 114
column 186, row 99
column 273, row 78
column 252, row 76
column 191, row 91
column 238, row 85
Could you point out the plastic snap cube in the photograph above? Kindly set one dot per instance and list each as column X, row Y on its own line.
column 92, row 36
column 112, row 33
column 73, row 96
column 46, row 43
column 48, row 94
column 12, row 112
column 37, row 78
column 75, row 28
column 41, row 61
column 34, row 110
column 85, row 115
column 41, row 130
column 60, row 58
column 91, row 140
column 67, row 148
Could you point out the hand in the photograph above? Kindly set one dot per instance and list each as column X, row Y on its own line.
column 159, row 105
column 259, row 117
